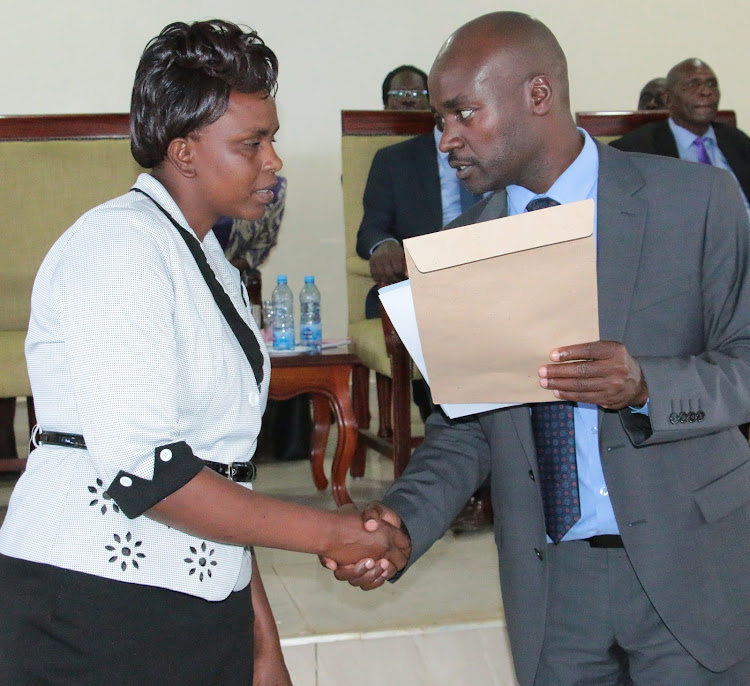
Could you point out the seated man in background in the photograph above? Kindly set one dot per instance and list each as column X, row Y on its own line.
column 405, row 88
column 692, row 98
column 411, row 191
column 652, row 94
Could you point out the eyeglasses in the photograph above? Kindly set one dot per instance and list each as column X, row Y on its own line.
column 407, row 93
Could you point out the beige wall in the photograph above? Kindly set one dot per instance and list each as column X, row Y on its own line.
column 79, row 56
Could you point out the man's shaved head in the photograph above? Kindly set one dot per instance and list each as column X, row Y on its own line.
column 499, row 89
column 682, row 68
column 522, row 39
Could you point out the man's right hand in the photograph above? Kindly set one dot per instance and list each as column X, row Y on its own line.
column 368, row 573
column 387, row 263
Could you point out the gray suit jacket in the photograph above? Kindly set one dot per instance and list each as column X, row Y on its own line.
column 673, row 261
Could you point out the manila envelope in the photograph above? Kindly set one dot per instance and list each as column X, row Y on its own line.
column 493, row 299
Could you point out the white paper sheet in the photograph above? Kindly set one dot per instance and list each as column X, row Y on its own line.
column 399, row 304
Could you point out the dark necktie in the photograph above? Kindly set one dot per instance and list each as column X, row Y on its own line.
column 554, row 435
column 700, row 145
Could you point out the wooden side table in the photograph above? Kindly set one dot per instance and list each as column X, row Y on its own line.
column 325, row 376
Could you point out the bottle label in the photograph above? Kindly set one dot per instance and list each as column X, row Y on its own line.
column 311, row 335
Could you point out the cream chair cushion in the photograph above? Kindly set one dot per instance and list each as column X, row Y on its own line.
column 47, row 185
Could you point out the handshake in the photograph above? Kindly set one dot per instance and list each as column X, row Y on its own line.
column 369, row 547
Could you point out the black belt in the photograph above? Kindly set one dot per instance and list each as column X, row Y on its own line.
column 605, row 541
column 236, row 471
column 65, row 440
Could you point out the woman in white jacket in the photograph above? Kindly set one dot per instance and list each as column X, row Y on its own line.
column 125, row 554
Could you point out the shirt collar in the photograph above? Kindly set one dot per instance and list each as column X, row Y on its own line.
column 685, row 138
column 577, row 182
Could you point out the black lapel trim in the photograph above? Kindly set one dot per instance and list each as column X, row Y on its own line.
column 245, row 337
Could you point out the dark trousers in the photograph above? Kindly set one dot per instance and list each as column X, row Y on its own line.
column 65, row 628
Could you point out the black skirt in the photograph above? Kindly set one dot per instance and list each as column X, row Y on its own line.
column 67, row 628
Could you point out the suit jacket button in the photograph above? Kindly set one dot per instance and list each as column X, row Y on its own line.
column 674, row 418
column 531, row 475
column 539, row 553
column 683, row 417
column 692, row 416
column 700, row 416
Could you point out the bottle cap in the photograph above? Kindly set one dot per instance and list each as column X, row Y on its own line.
column 309, row 279
column 281, row 278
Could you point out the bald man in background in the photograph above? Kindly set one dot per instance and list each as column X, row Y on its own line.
column 692, row 98
column 645, row 580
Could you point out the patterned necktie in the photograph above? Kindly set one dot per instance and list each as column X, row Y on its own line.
column 700, row 145
column 554, row 435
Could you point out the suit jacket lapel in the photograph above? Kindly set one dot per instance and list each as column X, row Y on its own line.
column 664, row 142
column 425, row 158
column 621, row 219
column 729, row 148
column 495, row 207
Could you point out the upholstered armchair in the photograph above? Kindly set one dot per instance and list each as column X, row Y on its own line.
column 53, row 168
column 374, row 340
column 606, row 126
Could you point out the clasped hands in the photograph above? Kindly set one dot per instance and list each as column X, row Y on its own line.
column 374, row 534
column 368, row 572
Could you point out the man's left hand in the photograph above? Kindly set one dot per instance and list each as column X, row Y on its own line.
column 601, row 373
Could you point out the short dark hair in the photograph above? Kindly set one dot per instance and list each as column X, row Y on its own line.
column 399, row 70
column 184, row 79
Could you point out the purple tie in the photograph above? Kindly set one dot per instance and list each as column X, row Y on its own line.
column 555, row 438
column 700, row 146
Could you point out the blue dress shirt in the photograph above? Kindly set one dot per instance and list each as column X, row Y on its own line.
column 450, row 193
column 580, row 181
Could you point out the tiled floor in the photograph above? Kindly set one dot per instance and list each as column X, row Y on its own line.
column 442, row 624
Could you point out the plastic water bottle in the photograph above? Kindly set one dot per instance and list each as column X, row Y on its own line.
column 282, row 302
column 310, row 328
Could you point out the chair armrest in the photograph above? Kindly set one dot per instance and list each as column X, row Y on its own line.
column 393, row 344
column 356, row 265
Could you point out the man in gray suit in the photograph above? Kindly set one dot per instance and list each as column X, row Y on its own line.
column 641, row 575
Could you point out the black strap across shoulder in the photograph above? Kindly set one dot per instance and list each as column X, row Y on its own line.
column 241, row 330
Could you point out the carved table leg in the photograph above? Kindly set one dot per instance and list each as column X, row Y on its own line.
column 347, row 426
column 321, row 429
